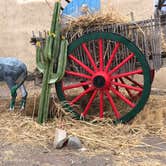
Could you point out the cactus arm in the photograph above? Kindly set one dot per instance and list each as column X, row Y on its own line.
column 63, row 52
column 61, row 63
column 46, row 49
column 53, row 34
column 57, row 41
column 56, row 16
column 39, row 64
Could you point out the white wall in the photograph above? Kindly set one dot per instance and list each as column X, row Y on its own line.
column 18, row 18
column 16, row 23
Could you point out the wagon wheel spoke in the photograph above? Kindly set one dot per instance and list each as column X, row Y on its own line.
column 89, row 56
column 86, row 68
column 126, row 86
column 101, row 54
column 81, row 95
column 117, row 114
column 128, row 91
column 77, row 74
column 76, row 85
column 134, row 81
column 112, row 56
column 126, row 74
column 136, row 84
column 122, row 63
column 117, row 88
column 89, row 103
column 152, row 74
column 101, row 103
column 127, row 101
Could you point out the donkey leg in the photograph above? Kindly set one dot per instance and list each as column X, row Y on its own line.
column 24, row 96
column 13, row 91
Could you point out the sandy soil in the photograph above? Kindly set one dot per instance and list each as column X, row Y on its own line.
column 24, row 155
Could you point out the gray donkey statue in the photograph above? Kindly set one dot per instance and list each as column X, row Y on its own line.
column 14, row 73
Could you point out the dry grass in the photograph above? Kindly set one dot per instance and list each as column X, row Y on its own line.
column 15, row 128
column 99, row 136
column 153, row 116
column 90, row 20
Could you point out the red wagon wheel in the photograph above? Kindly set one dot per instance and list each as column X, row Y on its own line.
column 103, row 84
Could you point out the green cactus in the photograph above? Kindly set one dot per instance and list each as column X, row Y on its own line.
column 46, row 54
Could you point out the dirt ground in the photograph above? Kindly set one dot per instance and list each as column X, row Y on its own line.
column 149, row 148
column 24, row 155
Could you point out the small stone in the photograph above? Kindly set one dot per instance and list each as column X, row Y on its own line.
column 83, row 149
column 60, row 138
column 74, row 143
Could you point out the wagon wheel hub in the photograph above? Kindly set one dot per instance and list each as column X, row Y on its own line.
column 101, row 80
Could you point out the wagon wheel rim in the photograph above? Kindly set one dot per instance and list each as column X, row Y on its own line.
column 102, row 82
column 152, row 75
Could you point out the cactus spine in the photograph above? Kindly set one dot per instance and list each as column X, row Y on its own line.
column 46, row 54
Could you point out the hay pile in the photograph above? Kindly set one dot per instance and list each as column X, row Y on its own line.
column 97, row 136
column 85, row 22
column 15, row 128
column 153, row 117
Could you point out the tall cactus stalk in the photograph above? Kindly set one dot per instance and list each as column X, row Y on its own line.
column 46, row 54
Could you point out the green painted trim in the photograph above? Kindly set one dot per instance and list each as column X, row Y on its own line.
column 133, row 48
